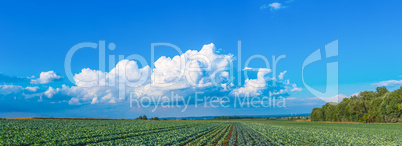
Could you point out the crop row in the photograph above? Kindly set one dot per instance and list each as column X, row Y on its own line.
column 247, row 136
column 296, row 133
column 78, row 132
column 174, row 136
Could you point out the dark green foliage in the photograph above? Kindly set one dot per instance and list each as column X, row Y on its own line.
column 145, row 118
column 329, row 110
column 155, row 118
column 389, row 107
column 374, row 112
column 342, row 113
column 367, row 107
column 317, row 115
column 381, row 91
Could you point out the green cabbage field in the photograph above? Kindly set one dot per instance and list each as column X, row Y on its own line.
column 203, row 132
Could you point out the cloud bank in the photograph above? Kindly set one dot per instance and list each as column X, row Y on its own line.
column 207, row 71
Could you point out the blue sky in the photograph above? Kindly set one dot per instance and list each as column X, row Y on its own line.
column 36, row 36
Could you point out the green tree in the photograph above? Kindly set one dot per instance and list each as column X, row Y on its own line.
column 389, row 107
column 317, row 115
column 374, row 112
column 329, row 111
column 381, row 91
column 368, row 106
column 341, row 112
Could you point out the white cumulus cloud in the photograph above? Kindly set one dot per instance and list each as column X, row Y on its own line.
column 32, row 89
column 295, row 88
column 9, row 89
column 272, row 6
column 46, row 77
column 355, row 94
column 51, row 91
column 275, row 5
column 336, row 99
column 254, row 87
column 187, row 73
column 281, row 75
column 388, row 83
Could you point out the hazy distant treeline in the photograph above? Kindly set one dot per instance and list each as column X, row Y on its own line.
column 380, row 106
column 235, row 117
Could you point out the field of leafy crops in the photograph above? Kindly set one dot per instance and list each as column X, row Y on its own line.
column 130, row 132
column 307, row 133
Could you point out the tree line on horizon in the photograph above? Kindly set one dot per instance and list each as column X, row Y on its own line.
column 381, row 106
column 146, row 118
